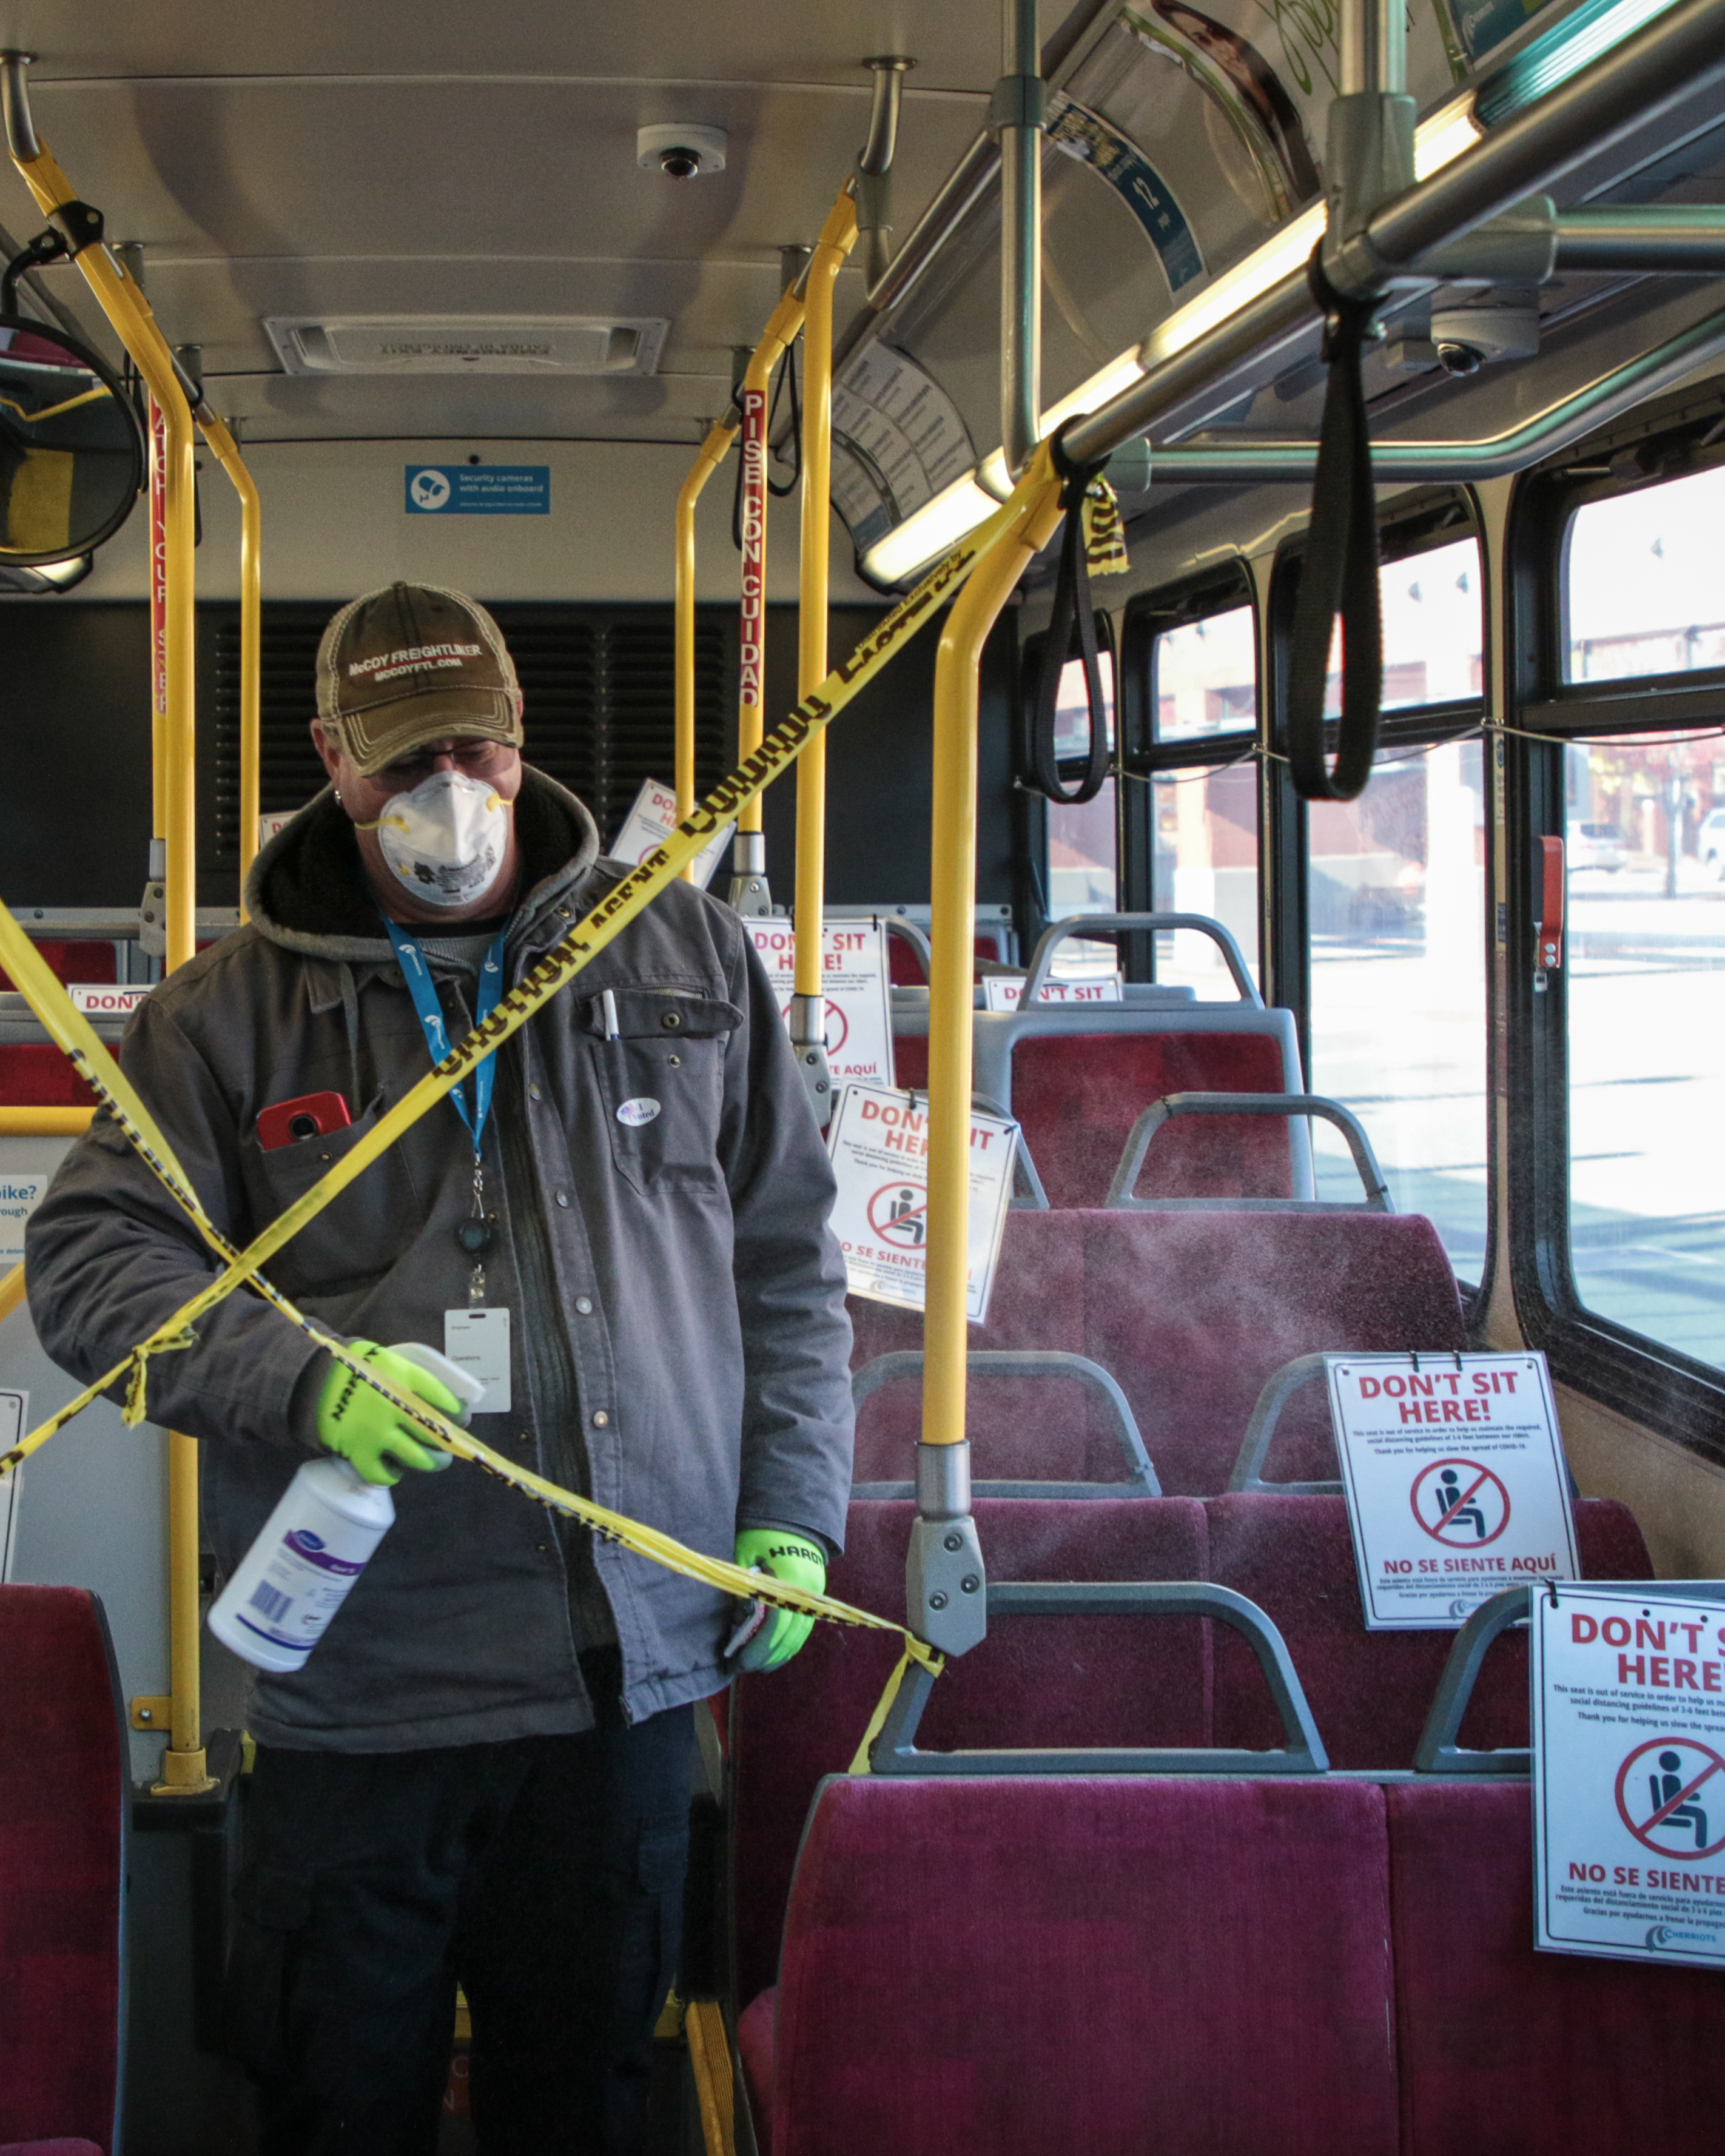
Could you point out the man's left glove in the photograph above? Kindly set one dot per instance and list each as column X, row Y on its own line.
column 788, row 1556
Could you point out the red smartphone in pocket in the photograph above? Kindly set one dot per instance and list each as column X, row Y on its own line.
column 312, row 1115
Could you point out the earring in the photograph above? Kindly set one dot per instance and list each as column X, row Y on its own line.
column 338, row 794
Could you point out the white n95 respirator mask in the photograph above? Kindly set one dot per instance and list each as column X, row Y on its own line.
column 445, row 839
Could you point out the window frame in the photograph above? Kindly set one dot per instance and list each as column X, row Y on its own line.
column 1596, row 1355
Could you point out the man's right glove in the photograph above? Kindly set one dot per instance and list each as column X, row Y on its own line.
column 361, row 1426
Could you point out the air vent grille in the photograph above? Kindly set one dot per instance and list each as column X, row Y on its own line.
column 597, row 683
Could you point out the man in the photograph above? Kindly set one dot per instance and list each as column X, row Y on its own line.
column 481, row 1774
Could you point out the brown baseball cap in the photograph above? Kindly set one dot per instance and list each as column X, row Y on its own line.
column 409, row 663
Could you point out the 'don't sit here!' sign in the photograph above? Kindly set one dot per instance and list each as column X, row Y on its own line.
column 1456, row 1487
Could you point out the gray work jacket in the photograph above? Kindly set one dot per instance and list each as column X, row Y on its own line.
column 701, row 1290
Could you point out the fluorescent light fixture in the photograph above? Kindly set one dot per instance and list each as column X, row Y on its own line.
column 941, row 522
column 1583, row 34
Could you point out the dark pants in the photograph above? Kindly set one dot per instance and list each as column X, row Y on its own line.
column 545, row 1877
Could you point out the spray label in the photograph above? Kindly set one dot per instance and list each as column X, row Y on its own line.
column 304, row 1584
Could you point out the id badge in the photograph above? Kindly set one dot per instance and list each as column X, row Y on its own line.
column 477, row 1341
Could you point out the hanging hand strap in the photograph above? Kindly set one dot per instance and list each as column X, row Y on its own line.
column 1339, row 574
column 1073, row 620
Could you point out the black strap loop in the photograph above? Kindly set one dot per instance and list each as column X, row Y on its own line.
column 1339, row 573
column 1073, row 624
column 50, row 246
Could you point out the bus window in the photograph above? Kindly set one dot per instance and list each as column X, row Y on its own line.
column 1645, row 820
column 1206, row 675
column 1082, row 846
column 1434, row 630
column 1206, row 861
column 1641, row 582
column 1396, row 892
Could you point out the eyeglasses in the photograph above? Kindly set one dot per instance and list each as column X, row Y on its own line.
column 480, row 757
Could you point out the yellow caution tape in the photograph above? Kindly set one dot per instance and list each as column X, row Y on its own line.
column 72, row 1032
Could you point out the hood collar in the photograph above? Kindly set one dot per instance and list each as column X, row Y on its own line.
column 307, row 890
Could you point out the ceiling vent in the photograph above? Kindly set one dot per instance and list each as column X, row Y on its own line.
column 467, row 344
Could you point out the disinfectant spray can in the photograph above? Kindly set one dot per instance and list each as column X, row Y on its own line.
column 314, row 1545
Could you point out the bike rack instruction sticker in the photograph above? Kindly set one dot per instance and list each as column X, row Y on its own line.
column 879, row 1142
column 859, row 988
column 1629, row 1775
column 1453, row 1468
column 651, row 821
column 1005, row 992
column 19, row 1197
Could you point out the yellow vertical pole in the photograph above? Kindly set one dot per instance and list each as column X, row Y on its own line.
column 944, row 1555
column 808, row 1004
column 748, row 860
column 121, row 300
column 712, row 454
column 251, row 608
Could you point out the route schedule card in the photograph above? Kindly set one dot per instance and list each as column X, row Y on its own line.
column 1453, row 1468
column 879, row 1142
column 1629, row 1775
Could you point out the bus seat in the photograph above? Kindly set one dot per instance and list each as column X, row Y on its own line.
column 1368, row 1691
column 1113, row 1964
column 1504, row 2050
column 1077, row 1079
column 71, row 958
column 1191, row 1313
column 1037, row 1681
column 63, row 1769
column 35, row 1074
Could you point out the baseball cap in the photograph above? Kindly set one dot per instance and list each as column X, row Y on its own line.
column 409, row 663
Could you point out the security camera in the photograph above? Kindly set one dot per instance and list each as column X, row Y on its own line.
column 682, row 150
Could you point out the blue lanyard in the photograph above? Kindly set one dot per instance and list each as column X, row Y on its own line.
column 418, row 976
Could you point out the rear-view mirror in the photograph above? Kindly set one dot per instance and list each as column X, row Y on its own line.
column 71, row 448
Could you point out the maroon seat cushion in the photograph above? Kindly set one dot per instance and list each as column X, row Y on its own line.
column 1193, row 1312
column 756, row 2035
column 1508, row 2053
column 1112, row 1964
column 1047, row 1680
column 1077, row 1096
column 50, row 2149
column 1369, row 1691
column 63, row 1792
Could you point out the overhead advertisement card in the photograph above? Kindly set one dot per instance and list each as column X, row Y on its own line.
column 1005, row 992
column 1629, row 1775
column 879, row 1142
column 1453, row 1468
column 650, row 822
column 858, row 989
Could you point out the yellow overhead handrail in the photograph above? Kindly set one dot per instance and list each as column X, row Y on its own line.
column 129, row 313
column 838, row 236
column 712, row 454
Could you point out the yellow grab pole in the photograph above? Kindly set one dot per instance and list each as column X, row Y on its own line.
column 945, row 1572
column 251, row 596
column 713, row 452
column 44, row 1122
column 118, row 295
column 808, row 1003
column 748, row 861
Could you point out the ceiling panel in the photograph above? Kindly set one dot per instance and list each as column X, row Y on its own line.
column 381, row 158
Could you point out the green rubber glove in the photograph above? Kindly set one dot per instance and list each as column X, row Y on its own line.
column 788, row 1556
column 361, row 1426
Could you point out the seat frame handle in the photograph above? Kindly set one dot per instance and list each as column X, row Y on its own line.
column 1125, row 924
column 1140, row 1479
column 1120, row 1198
column 894, row 1751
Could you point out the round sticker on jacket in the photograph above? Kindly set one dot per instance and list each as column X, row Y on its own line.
column 634, row 1113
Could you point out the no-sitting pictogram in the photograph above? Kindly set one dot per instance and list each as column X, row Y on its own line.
column 898, row 1213
column 1459, row 1504
column 837, row 1026
column 1669, row 1799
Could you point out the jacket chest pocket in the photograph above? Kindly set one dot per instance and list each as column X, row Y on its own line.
column 358, row 1235
column 662, row 1081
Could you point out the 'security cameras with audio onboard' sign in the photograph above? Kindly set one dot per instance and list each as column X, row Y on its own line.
column 680, row 150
